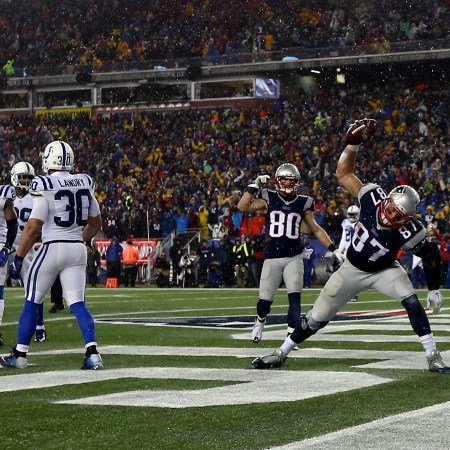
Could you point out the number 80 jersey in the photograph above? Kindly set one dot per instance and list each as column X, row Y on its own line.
column 69, row 198
column 374, row 248
column 282, row 224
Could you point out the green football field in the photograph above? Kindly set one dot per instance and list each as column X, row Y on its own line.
column 178, row 376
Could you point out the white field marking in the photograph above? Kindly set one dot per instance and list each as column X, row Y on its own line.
column 280, row 335
column 250, row 387
column 387, row 359
column 425, row 428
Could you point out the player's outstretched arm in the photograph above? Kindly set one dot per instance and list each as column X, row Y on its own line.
column 357, row 134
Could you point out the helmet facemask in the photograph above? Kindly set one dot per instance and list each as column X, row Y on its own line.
column 390, row 216
column 353, row 214
column 398, row 207
column 21, row 175
column 287, row 180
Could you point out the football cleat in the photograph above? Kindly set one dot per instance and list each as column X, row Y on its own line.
column 436, row 363
column 14, row 362
column 257, row 331
column 354, row 299
column 275, row 359
column 1, row 341
column 93, row 362
column 40, row 336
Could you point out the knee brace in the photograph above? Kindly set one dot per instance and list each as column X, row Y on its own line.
column 263, row 308
column 306, row 328
column 417, row 315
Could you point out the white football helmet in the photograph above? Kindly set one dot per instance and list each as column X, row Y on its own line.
column 58, row 155
column 287, row 179
column 398, row 207
column 353, row 214
column 21, row 175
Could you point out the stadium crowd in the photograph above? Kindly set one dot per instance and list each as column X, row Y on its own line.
column 188, row 168
column 96, row 33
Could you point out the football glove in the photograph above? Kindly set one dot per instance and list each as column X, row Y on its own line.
column 16, row 267
column 4, row 253
column 435, row 300
column 258, row 184
column 339, row 256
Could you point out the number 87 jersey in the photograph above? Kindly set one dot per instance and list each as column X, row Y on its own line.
column 373, row 247
column 63, row 202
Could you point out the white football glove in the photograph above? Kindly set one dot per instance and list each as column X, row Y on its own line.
column 262, row 181
column 339, row 256
column 435, row 298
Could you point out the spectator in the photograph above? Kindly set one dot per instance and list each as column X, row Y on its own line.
column 93, row 264
column 130, row 258
column 175, row 254
column 225, row 267
column 206, row 257
column 114, row 260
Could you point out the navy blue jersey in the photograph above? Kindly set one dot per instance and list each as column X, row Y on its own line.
column 374, row 248
column 282, row 225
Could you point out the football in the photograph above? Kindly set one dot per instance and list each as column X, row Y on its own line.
column 360, row 131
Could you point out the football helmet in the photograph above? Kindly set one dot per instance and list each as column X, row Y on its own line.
column 287, row 179
column 353, row 214
column 398, row 207
column 21, row 175
column 58, row 155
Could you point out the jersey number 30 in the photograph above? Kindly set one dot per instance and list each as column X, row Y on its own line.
column 76, row 205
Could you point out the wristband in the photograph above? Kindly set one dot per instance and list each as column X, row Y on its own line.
column 251, row 190
column 353, row 148
column 332, row 248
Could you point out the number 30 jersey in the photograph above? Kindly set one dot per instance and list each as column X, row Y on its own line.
column 63, row 202
column 374, row 248
column 282, row 224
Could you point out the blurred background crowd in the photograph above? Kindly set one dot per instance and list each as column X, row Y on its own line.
column 97, row 33
column 170, row 171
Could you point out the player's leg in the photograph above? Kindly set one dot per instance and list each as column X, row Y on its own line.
column 271, row 276
column 394, row 282
column 342, row 285
column 56, row 296
column 3, row 276
column 73, row 280
column 39, row 279
column 41, row 333
column 293, row 280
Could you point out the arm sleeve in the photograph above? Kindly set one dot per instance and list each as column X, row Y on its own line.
column 94, row 208
column 40, row 208
column 431, row 260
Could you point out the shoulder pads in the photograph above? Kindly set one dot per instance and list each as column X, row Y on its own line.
column 7, row 191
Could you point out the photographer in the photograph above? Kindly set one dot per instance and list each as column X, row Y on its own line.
column 163, row 271
column 185, row 277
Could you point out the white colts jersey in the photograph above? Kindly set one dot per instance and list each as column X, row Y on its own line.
column 69, row 202
column 348, row 228
column 23, row 206
column 7, row 192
